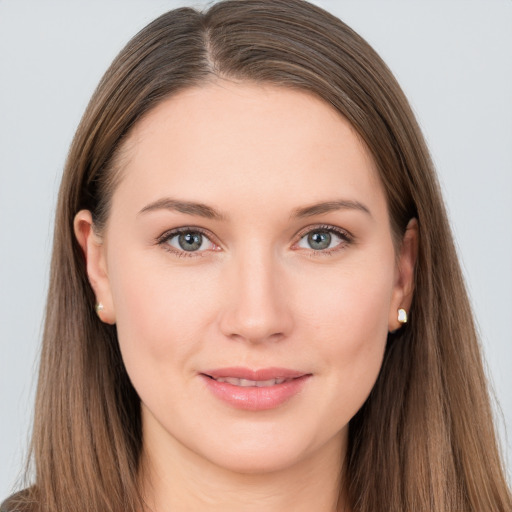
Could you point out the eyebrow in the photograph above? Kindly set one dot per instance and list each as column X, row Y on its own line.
column 330, row 206
column 203, row 210
column 188, row 207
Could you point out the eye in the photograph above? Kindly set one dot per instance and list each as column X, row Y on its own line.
column 323, row 239
column 187, row 241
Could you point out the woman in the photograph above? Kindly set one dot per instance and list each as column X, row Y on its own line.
column 255, row 302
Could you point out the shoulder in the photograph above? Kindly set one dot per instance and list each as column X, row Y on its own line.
column 6, row 506
column 19, row 502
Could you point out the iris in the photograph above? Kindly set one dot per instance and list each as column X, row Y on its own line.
column 319, row 240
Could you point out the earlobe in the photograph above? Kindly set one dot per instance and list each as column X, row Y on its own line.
column 404, row 285
column 95, row 257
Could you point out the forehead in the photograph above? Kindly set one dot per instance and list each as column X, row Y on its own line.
column 243, row 139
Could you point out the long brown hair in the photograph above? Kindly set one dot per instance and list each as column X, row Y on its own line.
column 424, row 440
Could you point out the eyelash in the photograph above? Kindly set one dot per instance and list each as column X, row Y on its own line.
column 345, row 237
column 163, row 240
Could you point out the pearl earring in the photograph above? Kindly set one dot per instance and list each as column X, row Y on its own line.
column 99, row 308
column 402, row 316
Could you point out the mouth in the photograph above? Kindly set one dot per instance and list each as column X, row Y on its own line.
column 246, row 383
column 255, row 390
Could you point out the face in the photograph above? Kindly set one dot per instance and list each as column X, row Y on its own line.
column 249, row 266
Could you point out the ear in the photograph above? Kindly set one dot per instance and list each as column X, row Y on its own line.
column 96, row 263
column 404, row 282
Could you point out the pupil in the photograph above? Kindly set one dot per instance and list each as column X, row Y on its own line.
column 190, row 241
column 319, row 240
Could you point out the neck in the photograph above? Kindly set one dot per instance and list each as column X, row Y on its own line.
column 175, row 478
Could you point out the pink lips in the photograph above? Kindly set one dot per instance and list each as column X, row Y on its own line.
column 255, row 390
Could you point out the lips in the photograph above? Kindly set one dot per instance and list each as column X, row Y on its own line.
column 255, row 390
column 255, row 375
column 246, row 383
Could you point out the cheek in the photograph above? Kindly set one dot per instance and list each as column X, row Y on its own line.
column 160, row 313
column 351, row 303
column 348, row 318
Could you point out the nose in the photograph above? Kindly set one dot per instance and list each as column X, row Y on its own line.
column 256, row 307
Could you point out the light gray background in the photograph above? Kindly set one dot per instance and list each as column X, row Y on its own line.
column 452, row 57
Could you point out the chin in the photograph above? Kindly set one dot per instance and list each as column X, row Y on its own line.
column 270, row 459
column 271, row 452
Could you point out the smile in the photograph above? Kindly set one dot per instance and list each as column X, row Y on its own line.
column 255, row 390
column 246, row 383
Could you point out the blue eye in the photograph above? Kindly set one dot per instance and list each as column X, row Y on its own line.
column 322, row 239
column 189, row 241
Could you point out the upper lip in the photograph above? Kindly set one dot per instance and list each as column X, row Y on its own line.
column 262, row 374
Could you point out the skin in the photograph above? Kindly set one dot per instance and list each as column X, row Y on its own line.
column 255, row 295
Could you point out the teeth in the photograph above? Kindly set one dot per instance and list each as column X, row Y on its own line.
column 246, row 383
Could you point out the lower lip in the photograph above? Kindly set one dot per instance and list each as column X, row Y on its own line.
column 254, row 398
